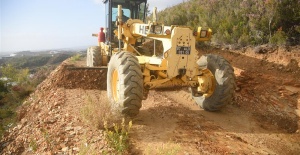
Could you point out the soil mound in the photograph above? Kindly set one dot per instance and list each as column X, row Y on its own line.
column 64, row 76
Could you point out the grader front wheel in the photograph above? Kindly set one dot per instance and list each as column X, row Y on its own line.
column 125, row 83
column 216, row 84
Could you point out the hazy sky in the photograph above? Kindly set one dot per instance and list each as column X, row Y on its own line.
column 50, row 24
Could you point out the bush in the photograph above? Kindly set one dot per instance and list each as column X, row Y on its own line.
column 244, row 40
column 229, row 19
column 3, row 91
column 12, row 93
column 7, row 118
column 118, row 137
column 76, row 57
column 97, row 113
column 279, row 38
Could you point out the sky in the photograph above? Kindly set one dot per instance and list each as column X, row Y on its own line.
column 54, row 24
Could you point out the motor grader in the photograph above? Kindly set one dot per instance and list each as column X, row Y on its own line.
column 131, row 74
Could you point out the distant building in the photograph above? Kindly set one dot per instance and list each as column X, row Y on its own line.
column 6, row 57
column 54, row 52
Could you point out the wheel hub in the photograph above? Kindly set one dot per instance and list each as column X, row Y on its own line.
column 207, row 83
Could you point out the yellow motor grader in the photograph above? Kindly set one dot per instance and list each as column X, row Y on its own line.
column 131, row 74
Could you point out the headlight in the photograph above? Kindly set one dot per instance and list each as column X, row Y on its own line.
column 203, row 33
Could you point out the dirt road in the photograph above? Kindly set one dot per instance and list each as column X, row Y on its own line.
column 263, row 118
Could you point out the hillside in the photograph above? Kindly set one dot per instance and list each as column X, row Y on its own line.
column 240, row 22
column 35, row 61
column 63, row 116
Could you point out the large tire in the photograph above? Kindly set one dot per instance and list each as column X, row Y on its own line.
column 125, row 83
column 224, row 87
column 96, row 51
column 94, row 56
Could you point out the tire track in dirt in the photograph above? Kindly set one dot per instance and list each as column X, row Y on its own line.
column 169, row 121
column 262, row 119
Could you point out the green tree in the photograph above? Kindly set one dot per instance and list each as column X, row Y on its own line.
column 9, row 73
column 14, row 75
column 239, row 21
column 289, row 19
column 3, row 91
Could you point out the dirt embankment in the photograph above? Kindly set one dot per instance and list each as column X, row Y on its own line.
column 262, row 119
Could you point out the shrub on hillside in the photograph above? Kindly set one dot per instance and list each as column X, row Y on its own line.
column 244, row 40
column 231, row 20
column 279, row 38
column 14, row 88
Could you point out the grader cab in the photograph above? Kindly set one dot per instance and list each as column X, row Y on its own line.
column 130, row 74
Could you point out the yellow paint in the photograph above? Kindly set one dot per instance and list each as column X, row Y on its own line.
column 115, row 84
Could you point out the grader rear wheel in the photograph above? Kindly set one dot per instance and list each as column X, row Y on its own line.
column 95, row 53
column 125, row 83
column 97, row 57
column 216, row 84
